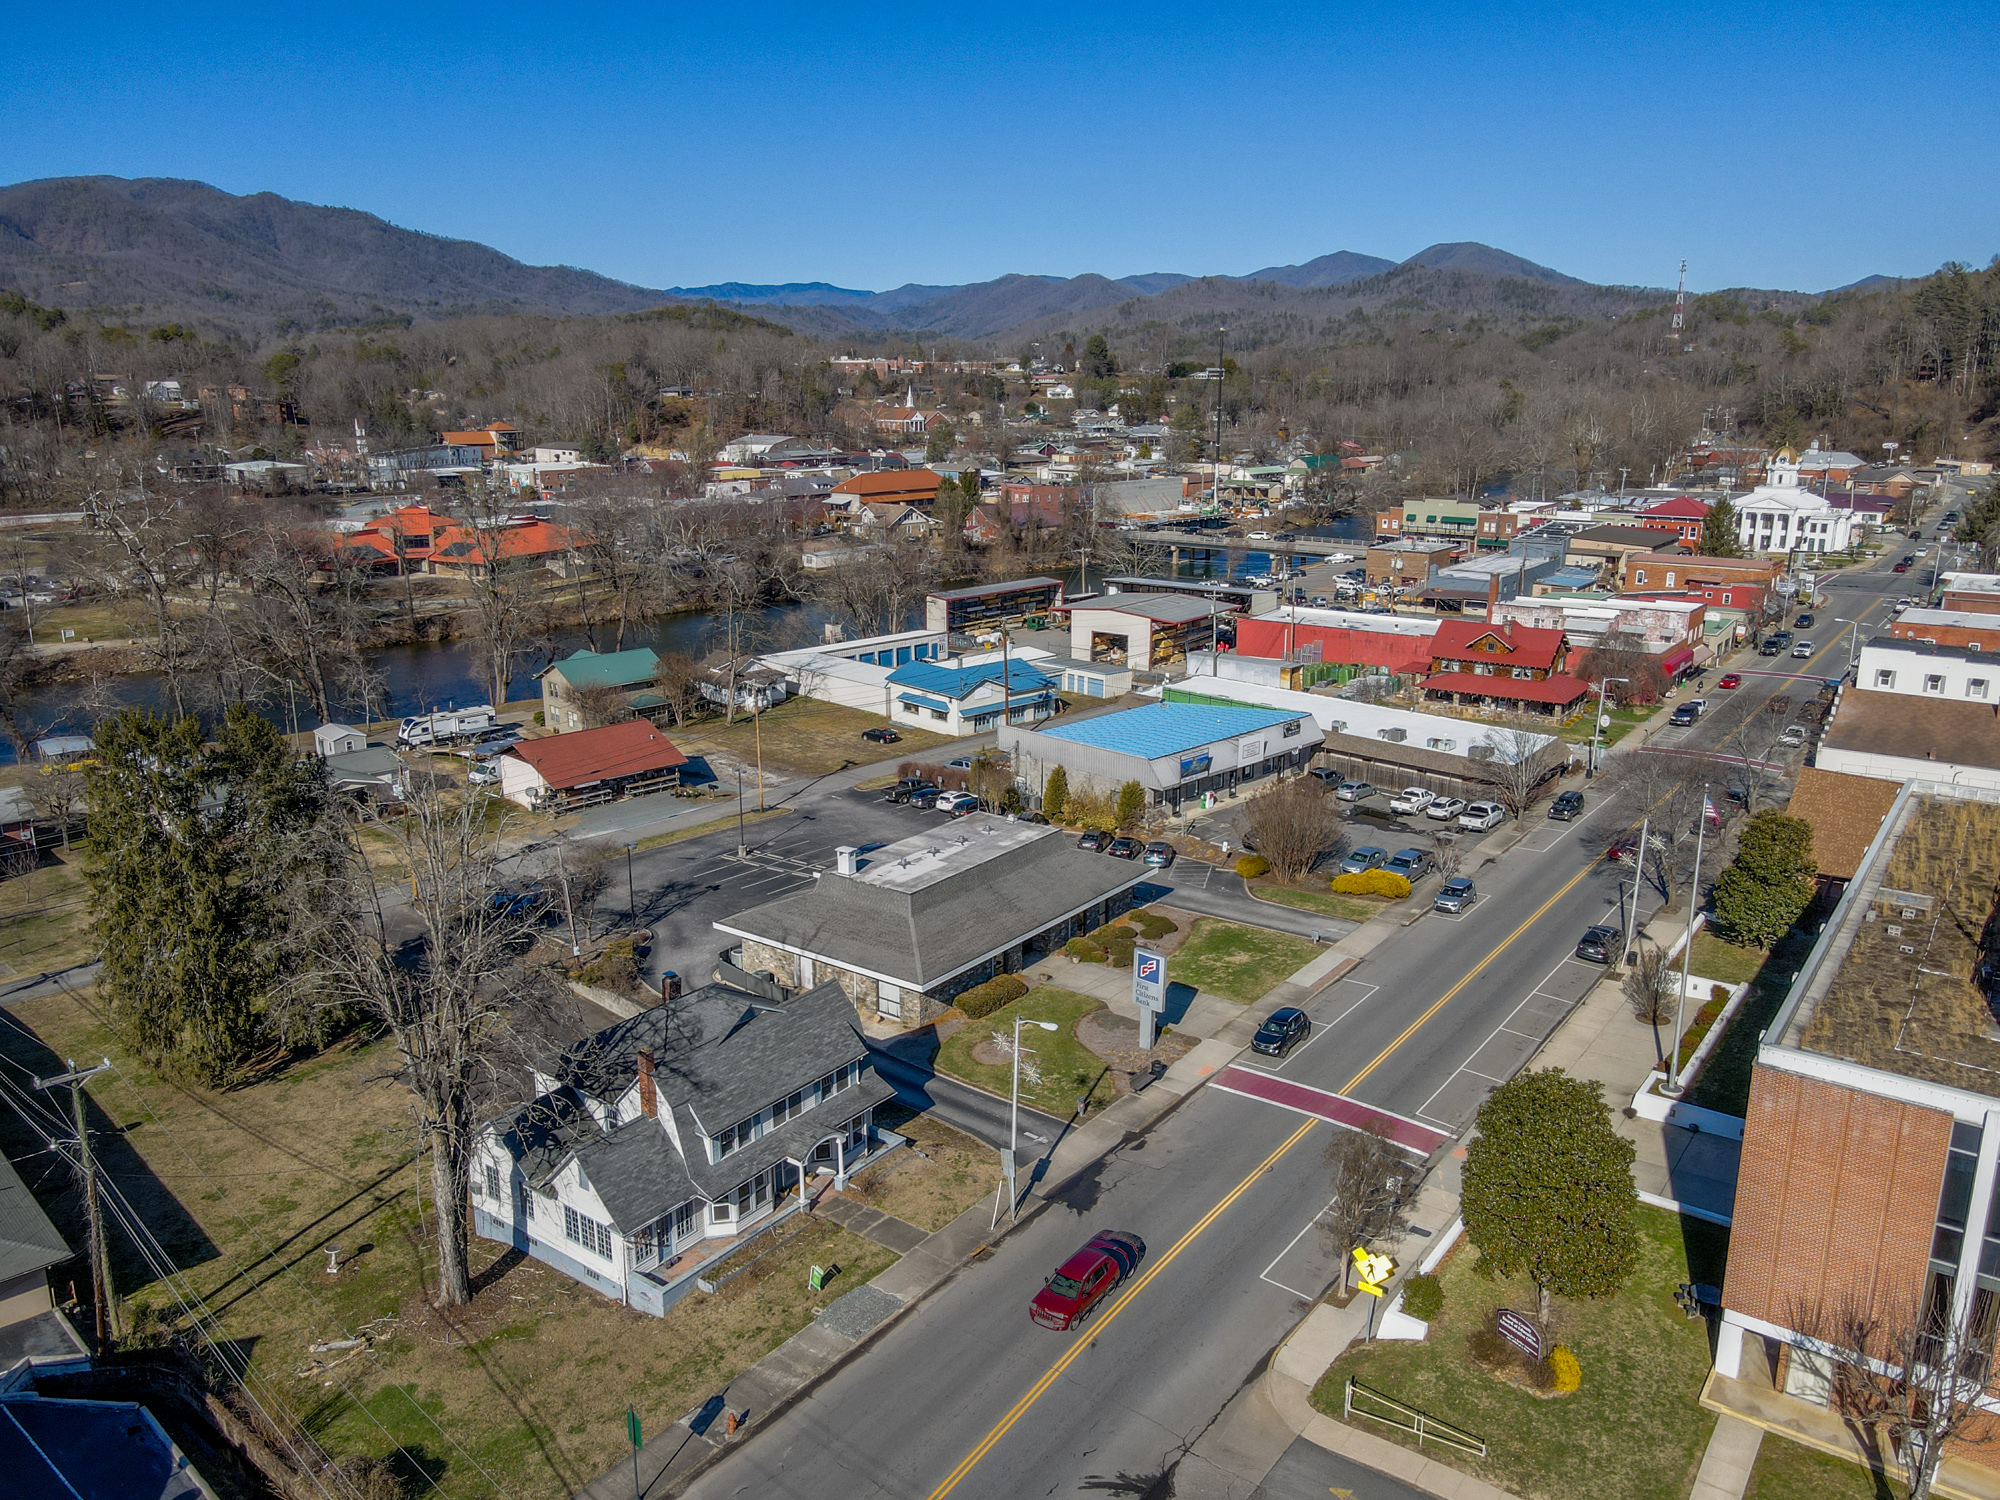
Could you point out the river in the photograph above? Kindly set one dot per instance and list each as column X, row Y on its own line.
column 422, row 677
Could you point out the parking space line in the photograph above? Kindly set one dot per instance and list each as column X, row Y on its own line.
column 1265, row 1274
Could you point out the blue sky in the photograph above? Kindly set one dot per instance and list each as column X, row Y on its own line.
column 1776, row 146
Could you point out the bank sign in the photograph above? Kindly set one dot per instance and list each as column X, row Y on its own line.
column 1149, row 981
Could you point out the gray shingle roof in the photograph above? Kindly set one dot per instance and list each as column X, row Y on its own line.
column 795, row 1138
column 28, row 1241
column 920, row 937
column 636, row 1173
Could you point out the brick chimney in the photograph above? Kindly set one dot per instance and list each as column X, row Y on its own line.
column 649, row 1097
column 1492, row 594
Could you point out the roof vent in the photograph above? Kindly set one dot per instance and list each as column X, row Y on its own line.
column 845, row 860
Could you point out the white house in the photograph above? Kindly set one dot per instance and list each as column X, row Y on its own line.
column 969, row 699
column 1957, row 674
column 1918, row 712
column 1780, row 516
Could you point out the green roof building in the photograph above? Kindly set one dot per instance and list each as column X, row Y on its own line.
column 569, row 685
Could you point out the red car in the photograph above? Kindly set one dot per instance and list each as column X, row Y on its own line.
column 1730, row 680
column 1082, row 1281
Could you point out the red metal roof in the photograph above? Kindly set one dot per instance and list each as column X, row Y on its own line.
column 1520, row 645
column 589, row 755
column 1561, row 691
column 1684, row 507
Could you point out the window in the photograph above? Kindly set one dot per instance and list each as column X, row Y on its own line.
column 1975, row 687
column 1670, row 578
column 579, row 1229
column 1933, row 682
column 1885, row 678
column 492, row 1182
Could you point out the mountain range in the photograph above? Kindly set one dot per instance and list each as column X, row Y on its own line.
column 260, row 263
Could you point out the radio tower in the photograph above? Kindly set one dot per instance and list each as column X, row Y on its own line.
column 1680, row 306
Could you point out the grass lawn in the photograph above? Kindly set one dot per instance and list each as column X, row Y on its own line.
column 804, row 737
column 45, row 917
column 1066, row 1067
column 1715, row 959
column 1623, row 722
column 953, row 1173
column 1347, row 908
column 1791, row 1471
column 1239, row 963
column 1633, row 1432
column 93, row 620
column 527, row 1385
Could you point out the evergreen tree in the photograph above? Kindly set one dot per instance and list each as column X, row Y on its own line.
column 1131, row 803
column 1770, row 885
column 1055, row 794
column 1718, row 531
column 1548, row 1188
column 194, row 860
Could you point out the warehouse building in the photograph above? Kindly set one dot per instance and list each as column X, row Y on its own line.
column 988, row 605
column 1145, row 632
column 1176, row 751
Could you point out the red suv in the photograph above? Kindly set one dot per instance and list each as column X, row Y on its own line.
column 1082, row 1281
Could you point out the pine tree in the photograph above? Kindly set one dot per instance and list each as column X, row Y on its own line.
column 1718, row 531
column 1055, row 794
column 1770, row 884
column 1131, row 803
column 1548, row 1188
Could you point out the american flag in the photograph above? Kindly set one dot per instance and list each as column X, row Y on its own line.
column 1708, row 812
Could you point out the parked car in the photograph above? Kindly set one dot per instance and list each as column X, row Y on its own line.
column 1782, row 637
column 1319, row 601
column 1445, row 809
column 1566, row 806
column 882, row 736
column 1412, row 799
column 1125, row 849
column 1411, row 864
column 1772, row 647
column 1794, row 736
column 1804, row 621
column 907, row 788
column 1093, row 842
column 484, row 774
column 1082, row 1281
column 1481, row 816
column 1367, row 857
column 521, row 903
column 963, row 763
column 1684, row 714
column 1454, row 896
column 1599, row 944
column 1354, row 791
column 926, row 798
column 1730, row 680
column 1159, row 854
column 1281, row 1030
column 1803, row 650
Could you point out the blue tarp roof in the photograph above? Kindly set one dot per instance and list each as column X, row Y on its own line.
column 960, row 682
column 1160, row 729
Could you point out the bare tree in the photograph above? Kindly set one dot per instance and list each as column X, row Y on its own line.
column 1651, row 986
column 1293, row 825
column 1913, row 1370
column 442, row 972
column 1373, row 1182
column 1515, row 763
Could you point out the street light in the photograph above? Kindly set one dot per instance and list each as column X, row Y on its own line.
column 1014, row 1117
column 1675, row 1083
column 1597, row 724
column 739, row 812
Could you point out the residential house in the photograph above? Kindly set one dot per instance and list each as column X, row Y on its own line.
column 1506, row 666
column 494, row 441
column 1820, row 466
column 906, row 928
column 1870, row 1156
column 893, row 519
column 1682, row 518
column 589, row 766
column 30, row 1247
column 629, row 675
column 966, row 700
column 663, row 1142
column 1891, row 481
column 746, row 683
column 59, row 1446
column 1176, row 751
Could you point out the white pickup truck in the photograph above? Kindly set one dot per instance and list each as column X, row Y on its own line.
column 445, row 725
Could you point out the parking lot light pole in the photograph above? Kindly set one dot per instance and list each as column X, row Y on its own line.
column 739, row 812
column 631, row 900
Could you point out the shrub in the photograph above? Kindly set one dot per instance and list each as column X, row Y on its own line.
column 984, row 999
column 1083, row 948
column 1565, row 1374
column 1250, row 866
column 1373, row 883
column 540, row 722
column 1423, row 1297
column 1719, row 994
column 1153, row 925
column 1055, row 794
column 1131, row 803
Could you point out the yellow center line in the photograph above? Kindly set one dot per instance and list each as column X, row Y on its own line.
column 1054, row 1373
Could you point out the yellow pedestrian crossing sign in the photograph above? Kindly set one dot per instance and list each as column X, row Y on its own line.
column 1371, row 1270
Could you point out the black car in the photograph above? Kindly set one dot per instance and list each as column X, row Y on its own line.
column 1286, row 1026
column 1685, row 714
column 925, row 798
column 884, row 736
column 907, row 788
column 1566, row 806
column 1600, row 944
column 1804, row 621
column 1125, row 849
column 1093, row 842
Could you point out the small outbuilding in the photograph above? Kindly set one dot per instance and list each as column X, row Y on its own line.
column 330, row 740
column 590, row 766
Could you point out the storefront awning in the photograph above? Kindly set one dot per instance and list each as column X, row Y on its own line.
column 1678, row 661
column 919, row 700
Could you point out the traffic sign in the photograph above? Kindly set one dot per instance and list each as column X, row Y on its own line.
column 1372, row 1271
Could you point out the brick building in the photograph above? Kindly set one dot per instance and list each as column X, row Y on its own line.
column 1745, row 583
column 1871, row 1147
column 1681, row 518
column 1396, row 643
column 1968, row 629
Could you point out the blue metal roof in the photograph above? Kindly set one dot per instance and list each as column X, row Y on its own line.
column 960, row 682
column 1160, row 729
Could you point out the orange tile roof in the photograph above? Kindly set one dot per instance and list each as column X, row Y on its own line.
column 1846, row 813
column 883, row 484
column 470, row 544
column 592, row 755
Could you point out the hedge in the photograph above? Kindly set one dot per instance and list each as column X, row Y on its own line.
column 1372, row 883
column 984, row 999
column 1423, row 1297
column 1250, row 866
column 1085, row 949
column 1153, row 925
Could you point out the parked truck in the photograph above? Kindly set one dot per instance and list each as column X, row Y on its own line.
column 446, row 725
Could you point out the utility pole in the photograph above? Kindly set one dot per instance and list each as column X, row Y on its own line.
column 100, row 1259
column 1215, row 490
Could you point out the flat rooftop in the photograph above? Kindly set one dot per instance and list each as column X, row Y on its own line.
column 986, row 590
column 1353, row 619
column 1172, row 609
column 1895, row 982
column 1158, row 729
column 925, row 858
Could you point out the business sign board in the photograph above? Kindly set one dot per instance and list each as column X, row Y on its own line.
column 1149, row 981
column 1519, row 1330
column 1195, row 765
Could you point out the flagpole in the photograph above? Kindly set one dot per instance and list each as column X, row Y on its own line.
column 1687, row 946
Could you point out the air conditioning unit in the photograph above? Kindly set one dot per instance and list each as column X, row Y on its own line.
column 1435, row 744
column 1338, row 726
column 1397, row 735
